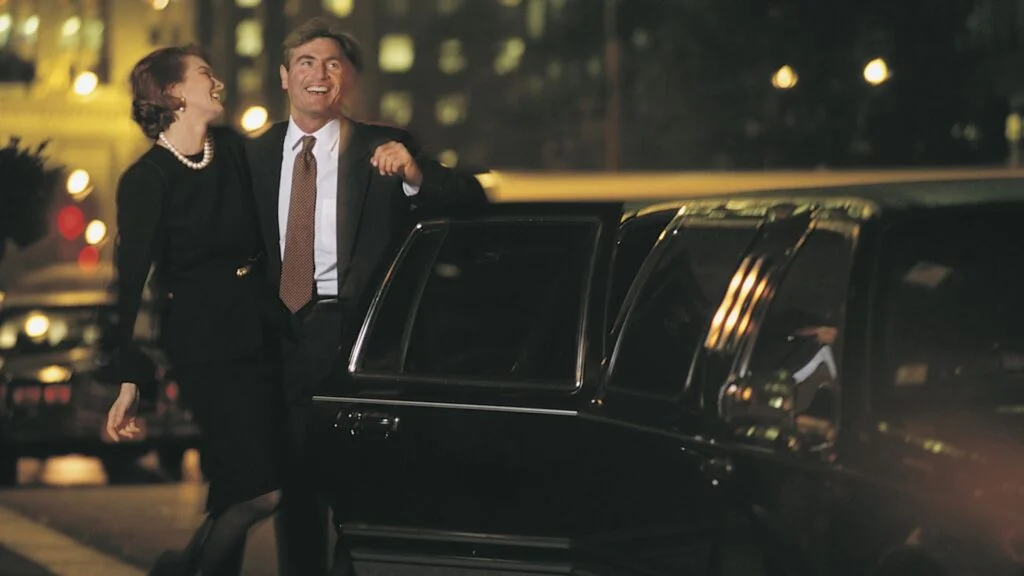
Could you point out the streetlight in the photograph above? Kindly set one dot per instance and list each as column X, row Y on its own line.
column 785, row 78
column 85, row 83
column 78, row 182
column 254, row 118
column 95, row 232
column 876, row 72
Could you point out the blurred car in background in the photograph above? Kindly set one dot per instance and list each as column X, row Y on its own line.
column 52, row 323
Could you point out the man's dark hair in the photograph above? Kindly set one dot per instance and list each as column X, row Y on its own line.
column 322, row 27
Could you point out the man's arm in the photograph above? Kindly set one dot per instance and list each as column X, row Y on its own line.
column 424, row 179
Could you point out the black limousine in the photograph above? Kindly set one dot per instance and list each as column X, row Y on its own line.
column 822, row 381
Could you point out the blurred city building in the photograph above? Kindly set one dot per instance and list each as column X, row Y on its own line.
column 495, row 83
column 64, row 67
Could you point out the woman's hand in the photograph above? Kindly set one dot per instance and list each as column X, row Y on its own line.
column 121, row 417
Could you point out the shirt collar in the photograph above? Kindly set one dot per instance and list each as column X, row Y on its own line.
column 330, row 133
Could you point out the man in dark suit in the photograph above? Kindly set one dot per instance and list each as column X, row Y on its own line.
column 334, row 195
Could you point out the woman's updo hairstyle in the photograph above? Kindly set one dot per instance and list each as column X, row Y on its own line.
column 153, row 107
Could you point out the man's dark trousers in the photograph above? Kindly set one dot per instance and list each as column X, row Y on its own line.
column 302, row 519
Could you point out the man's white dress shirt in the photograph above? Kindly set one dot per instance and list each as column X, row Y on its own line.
column 325, row 244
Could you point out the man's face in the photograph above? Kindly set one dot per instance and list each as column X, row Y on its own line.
column 315, row 79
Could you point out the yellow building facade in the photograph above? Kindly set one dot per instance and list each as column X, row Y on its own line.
column 82, row 52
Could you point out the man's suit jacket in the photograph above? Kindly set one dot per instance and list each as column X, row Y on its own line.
column 373, row 210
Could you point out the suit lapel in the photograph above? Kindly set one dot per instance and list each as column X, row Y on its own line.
column 353, row 180
column 268, row 190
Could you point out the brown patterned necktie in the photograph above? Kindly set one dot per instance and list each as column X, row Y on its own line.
column 297, row 266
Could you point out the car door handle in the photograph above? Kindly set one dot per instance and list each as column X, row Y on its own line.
column 717, row 469
column 372, row 422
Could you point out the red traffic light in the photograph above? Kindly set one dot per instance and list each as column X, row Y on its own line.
column 70, row 222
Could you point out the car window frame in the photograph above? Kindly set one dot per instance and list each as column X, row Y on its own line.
column 357, row 355
column 643, row 221
column 629, row 304
column 776, row 274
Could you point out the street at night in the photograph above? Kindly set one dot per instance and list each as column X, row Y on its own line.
column 511, row 287
column 63, row 520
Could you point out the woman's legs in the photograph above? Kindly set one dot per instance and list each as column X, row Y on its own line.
column 220, row 549
column 238, row 406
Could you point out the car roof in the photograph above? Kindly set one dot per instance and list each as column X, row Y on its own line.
column 864, row 193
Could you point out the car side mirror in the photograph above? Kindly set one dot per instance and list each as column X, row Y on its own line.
column 762, row 409
column 759, row 399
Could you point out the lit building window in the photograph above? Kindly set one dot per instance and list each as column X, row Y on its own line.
column 398, row 7
column 451, row 60
column 69, row 33
column 536, row 10
column 22, row 35
column 247, row 3
column 448, row 6
column 535, row 84
column 340, row 8
column 92, row 35
column 641, row 38
column 451, row 109
column 250, row 81
column 397, row 53
column 249, row 38
column 554, row 70
column 396, row 107
column 71, row 26
column 6, row 23
column 30, row 27
column 449, row 158
column 509, row 55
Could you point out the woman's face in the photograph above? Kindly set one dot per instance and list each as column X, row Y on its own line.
column 199, row 89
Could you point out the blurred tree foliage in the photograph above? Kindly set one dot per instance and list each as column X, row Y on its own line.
column 28, row 187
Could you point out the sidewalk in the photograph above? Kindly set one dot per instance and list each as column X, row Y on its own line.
column 13, row 565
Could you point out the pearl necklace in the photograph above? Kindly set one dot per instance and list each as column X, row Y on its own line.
column 207, row 153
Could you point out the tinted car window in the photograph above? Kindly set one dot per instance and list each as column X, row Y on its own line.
column 636, row 238
column 668, row 318
column 952, row 313
column 492, row 301
column 800, row 332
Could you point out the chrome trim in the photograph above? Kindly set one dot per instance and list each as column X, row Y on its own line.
column 746, row 343
column 360, row 529
column 538, row 384
column 681, row 221
column 371, row 314
column 473, row 563
column 582, row 342
column 446, row 405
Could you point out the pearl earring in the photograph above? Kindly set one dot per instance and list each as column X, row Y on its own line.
column 182, row 108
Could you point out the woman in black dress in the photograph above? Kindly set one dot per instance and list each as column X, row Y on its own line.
column 186, row 208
